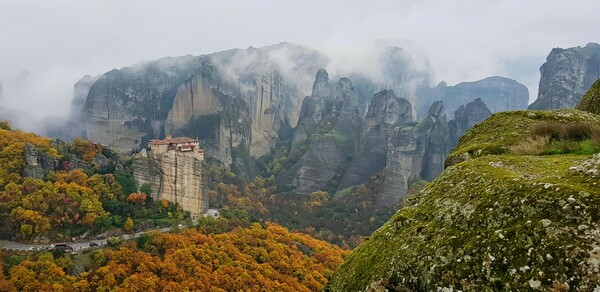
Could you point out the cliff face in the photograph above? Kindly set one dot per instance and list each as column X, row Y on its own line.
column 338, row 148
column 241, row 101
column 498, row 93
column 125, row 108
column 386, row 112
column 330, row 124
column 174, row 176
column 566, row 76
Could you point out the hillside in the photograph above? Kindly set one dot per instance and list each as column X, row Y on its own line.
column 249, row 257
column 515, row 209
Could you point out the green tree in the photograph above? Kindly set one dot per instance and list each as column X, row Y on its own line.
column 128, row 226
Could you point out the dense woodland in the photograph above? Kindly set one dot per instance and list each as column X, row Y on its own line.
column 248, row 257
column 82, row 198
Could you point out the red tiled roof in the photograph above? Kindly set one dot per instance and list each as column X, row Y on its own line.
column 177, row 140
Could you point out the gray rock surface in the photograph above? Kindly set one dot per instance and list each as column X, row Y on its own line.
column 330, row 123
column 465, row 117
column 386, row 112
column 125, row 108
column 566, row 76
column 433, row 141
column 498, row 93
column 402, row 164
column 37, row 163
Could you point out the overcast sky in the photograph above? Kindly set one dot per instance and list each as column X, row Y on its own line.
column 46, row 46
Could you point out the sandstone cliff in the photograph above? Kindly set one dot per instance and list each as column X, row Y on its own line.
column 566, row 76
column 174, row 176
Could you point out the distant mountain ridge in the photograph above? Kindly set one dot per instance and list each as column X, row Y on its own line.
column 245, row 102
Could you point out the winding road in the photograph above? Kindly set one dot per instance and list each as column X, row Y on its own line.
column 77, row 246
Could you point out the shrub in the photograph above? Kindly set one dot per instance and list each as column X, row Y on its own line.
column 562, row 131
column 532, row 146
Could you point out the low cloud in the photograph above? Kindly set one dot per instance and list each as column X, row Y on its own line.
column 46, row 47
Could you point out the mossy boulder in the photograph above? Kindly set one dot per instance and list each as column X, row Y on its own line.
column 498, row 222
column 502, row 130
column 590, row 102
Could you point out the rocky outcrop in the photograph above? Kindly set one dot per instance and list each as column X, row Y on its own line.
column 433, row 135
column 498, row 93
column 330, row 124
column 591, row 100
column 37, row 163
column 174, row 176
column 495, row 222
column 566, row 76
column 465, row 117
column 242, row 100
column 127, row 107
column 386, row 112
column 402, row 164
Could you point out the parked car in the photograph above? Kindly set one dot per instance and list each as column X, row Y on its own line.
column 92, row 244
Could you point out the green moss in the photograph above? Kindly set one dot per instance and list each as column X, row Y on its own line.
column 491, row 223
column 496, row 134
column 590, row 102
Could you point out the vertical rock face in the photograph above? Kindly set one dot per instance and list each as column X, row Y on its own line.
column 465, row 117
column 75, row 124
column 241, row 100
column 402, row 164
column 37, row 163
column 566, row 76
column 433, row 137
column 330, row 123
column 174, row 176
column 386, row 112
column 127, row 107
column 499, row 93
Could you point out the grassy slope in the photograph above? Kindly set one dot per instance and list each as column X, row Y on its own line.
column 493, row 222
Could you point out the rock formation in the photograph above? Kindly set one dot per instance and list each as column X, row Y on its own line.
column 591, row 100
column 498, row 93
column 240, row 100
column 125, row 108
column 433, row 136
column 499, row 221
column 566, row 76
column 37, row 163
column 330, row 124
column 465, row 117
column 173, row 175
column 386, row 112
